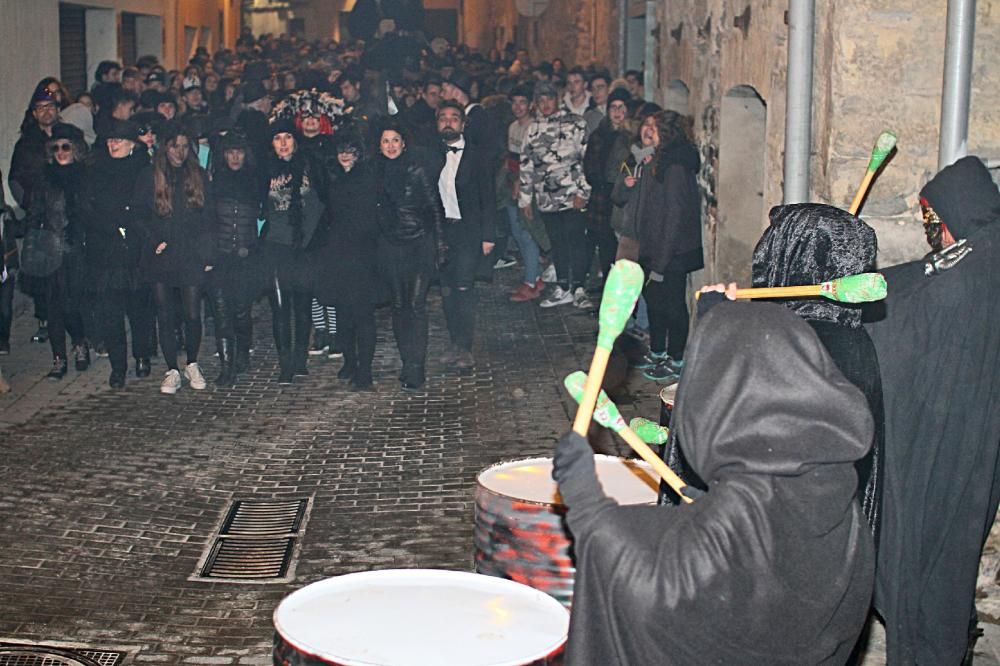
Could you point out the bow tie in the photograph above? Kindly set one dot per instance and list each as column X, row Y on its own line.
column 455, row 149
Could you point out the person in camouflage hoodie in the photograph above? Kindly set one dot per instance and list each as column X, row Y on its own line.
column 552, row 180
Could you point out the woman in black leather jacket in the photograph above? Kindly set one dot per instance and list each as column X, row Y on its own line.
column 237, row 276
column 55, row 222
column 410, row 216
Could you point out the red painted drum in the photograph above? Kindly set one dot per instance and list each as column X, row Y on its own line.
column 520, row 533
column 419, row 617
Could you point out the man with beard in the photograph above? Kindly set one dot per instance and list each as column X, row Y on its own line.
column 469, row 198
column 937, row 347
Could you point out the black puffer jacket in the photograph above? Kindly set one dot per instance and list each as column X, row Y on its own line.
column 408, row 202
column 237, row 197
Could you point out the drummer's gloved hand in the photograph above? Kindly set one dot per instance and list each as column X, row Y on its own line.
column 708, row 300
column 573, row 470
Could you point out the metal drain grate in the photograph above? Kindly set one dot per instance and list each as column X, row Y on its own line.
column 46, row 655
column 254, row 519
column 257, row 541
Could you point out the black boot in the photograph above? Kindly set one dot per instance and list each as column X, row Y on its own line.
column 227, row 367
column 58, row 370
column 362, row 379
column 241, row 357
column 244, row 339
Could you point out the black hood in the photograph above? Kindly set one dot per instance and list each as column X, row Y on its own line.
column 964, row 196
column 813, row 243
column 680, row 152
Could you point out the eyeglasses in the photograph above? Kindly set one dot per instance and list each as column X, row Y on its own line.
column 63, row 147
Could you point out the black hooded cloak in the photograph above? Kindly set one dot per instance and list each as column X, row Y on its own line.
column 939, row 350
column 774, row 565
column 813, row 243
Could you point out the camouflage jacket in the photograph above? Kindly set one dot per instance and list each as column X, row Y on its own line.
column 552, row 162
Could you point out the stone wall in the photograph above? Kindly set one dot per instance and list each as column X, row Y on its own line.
column 874, row 69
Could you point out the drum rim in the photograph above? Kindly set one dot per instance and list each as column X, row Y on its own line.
column 480, row 486
column 313, row 652
column 665, row 389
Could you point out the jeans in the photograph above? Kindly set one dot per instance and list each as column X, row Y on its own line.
column 166, row 316
column 529, row 248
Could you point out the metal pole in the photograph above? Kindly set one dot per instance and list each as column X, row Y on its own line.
column 798, row 102
column 622, row 35
column 953, row 143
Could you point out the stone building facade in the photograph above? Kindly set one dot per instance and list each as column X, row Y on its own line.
column 724, row 63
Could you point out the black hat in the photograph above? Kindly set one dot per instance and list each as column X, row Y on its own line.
column 461, row 80
column 282, row 126
column 66, row 131
column 148, row 120
column 122, row 129
column 156, row 77
column 234, row 140
column 253, row 91
column 256, row 71
column 619, row 95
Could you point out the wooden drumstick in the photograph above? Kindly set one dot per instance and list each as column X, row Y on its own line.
column 607, row 415
column 621, row 291
column 883, row 146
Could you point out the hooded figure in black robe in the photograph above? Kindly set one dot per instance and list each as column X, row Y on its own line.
column 938, row 346
column 775, row 564
column 813, row 243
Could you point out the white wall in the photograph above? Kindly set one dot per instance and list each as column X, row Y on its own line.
column 149, row 36
column 28, row 32
column 102, row 39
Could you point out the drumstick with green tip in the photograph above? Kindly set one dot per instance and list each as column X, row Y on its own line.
column 621, row 291
column 860, row 288
column 607, row 415
column 883, row 146
column 649, row 432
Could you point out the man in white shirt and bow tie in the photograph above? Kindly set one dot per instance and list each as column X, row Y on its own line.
column 469, row 198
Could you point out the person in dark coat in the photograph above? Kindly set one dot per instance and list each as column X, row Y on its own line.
column 775, row 563
column 114, row 242
column 659, row 189
column 293, row 212
column 54, row 244
column 347, row 267
column 607, row 150
column 175, row 207
column 468, row 195
column 410, row 218
column 811, row 244
column 937, row 342
column 237, row 274
column 26, row 169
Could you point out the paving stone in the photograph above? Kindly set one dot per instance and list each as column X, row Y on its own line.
column 110, row 498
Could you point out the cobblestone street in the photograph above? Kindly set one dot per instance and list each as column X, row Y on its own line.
column 110, row 499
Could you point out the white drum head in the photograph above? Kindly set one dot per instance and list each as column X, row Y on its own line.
column 625, row 481
column 422, row 617
column 668, row 393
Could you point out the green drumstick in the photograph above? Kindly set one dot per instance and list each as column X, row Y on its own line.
column 649, row 432
column 883, row 146
column 607, row 414
column 860, row 288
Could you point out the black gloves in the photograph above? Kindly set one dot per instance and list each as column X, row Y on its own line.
column 573, row 469
column 708, row 300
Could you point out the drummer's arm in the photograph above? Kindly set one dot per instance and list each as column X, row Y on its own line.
column 573, row 469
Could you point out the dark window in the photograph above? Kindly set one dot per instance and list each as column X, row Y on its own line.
column 127, row 41
column 72, row 48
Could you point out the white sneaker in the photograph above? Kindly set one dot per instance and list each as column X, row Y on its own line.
column 549, row 274
column 193, row 374
column 558, row 297
column 171, row 382
column 581, row 300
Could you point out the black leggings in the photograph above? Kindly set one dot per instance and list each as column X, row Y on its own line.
column 668, row 314
column 356, row 338
column 190, row 303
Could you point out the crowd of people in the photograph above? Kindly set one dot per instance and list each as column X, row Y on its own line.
column 333, row 179
column 336, row 178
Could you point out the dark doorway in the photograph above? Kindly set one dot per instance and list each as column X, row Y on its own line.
column 72, row 48
column 127, row 39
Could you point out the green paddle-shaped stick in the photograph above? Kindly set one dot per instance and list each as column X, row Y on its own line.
column 883, row 146
column 860, row 288
column 621, row 291
column 607, row 414
column 649, row 432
